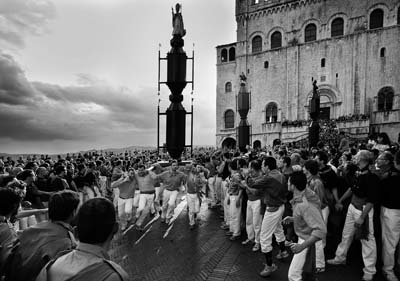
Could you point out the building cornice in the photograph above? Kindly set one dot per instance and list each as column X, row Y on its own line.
column 264, row 9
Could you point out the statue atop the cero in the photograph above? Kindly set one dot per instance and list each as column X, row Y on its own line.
column 177, row 21
column 313, row 132
column 176, row 82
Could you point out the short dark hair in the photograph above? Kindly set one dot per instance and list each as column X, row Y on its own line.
column 59, row 169
column 25, row 174
column 256, row 165
column 270, row 162
column 322, row 156
column 312, row 166
column 388, row 156
column 299, row 180
column 287, row 160
column 9, row 201
column 62, row 204
column 96, row 221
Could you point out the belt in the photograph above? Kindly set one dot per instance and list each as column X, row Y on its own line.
column 148, row 192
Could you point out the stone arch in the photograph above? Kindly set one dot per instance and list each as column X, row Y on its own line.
column 229, row 119
column 229, row 143
column 305, row 24
column 271, row 112
column 252, row 36
column 385, row 98
column 330, row 98
column 224, row 55
column 335, row 16
column 385, row 10
column 274, row 29
column 232, row 53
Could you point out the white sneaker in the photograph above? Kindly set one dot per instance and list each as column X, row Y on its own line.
column 247, row 241
column 367, row 277
column 335, row 262
column 391, row 277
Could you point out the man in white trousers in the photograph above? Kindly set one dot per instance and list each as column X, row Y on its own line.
column 196, row 178
column 365, row 194
column 172, row 180
column 145, row 180
column 273, row 196
column 126, row 186
column 253, row 214
column 314, row 183
column 390, row 211
column 308, row 224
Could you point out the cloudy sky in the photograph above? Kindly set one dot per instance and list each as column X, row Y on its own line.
column 82, row 74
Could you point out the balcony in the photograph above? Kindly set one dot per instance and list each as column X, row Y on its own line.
column 275, row 127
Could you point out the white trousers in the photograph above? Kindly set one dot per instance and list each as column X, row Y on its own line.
column 125, row 210
column 145, row 202
column 368, row 246
column 296, row 266
column 390, row 220
column 320, row 245
column 169, row 201
column 218, row 189
column 271, row 224
column 136, row 199
column 253, row 220
column 234, row 215
column 115, row 197
column 224, row 198
column 194, row 207
column 211, row 193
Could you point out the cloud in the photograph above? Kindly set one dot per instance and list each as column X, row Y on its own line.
column 20, row 18
column 39, row 111
column 91, row 114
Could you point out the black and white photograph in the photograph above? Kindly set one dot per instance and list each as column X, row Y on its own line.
column 188, row 140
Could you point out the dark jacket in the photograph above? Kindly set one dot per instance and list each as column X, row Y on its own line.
column 273, row 192
column 36, row 247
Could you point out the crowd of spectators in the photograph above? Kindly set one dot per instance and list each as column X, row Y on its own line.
column 350, row 186
column 345, row 118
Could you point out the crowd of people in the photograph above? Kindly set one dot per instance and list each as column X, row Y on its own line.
column 344, row 118
column 281, row 200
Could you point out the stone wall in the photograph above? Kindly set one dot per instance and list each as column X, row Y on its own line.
column 354, row 71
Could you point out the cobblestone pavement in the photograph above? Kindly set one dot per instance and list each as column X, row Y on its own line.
column 174, row 252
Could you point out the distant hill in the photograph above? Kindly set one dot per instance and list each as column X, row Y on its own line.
column 114, row 150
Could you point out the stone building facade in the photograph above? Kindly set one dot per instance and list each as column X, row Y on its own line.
column 351, row 47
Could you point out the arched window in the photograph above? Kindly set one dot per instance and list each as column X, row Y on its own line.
column 228, row 87
column 310, row 33
column 276, row 40
column 229, row 119
column 322, row 62
column 256, row 44
column 376, row 19
column 383, row 52
column 232, row 54
column 224, row 55
column 385, row 99
column 266, row 64
column 271, row 114
column 337, row 27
